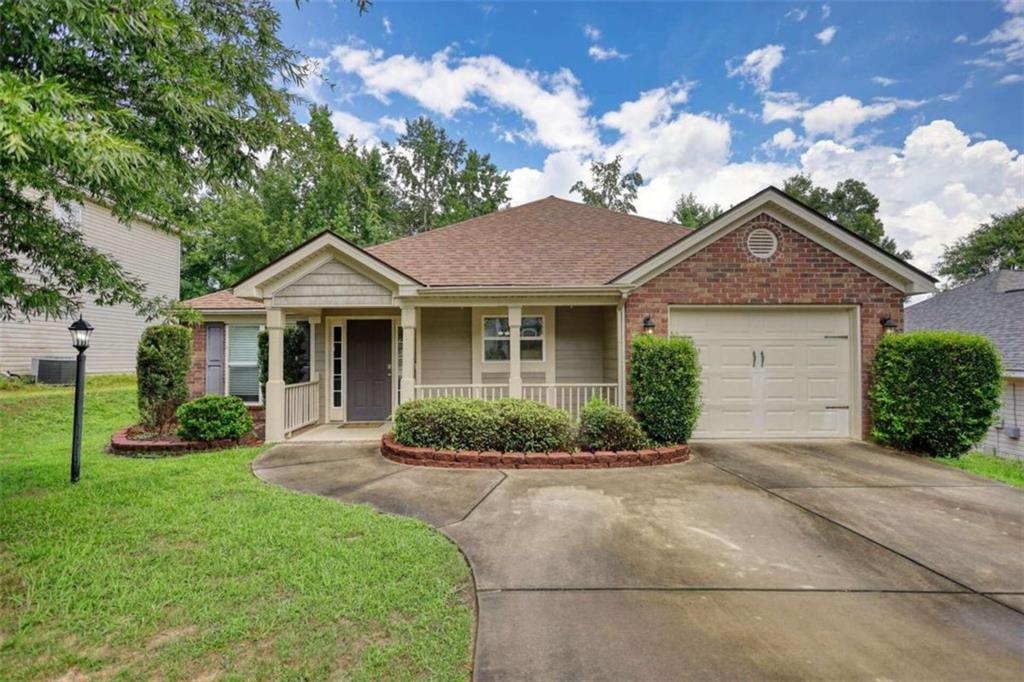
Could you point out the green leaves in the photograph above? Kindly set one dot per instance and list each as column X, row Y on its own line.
column 610, row 189
column 162, row 361
column 996, row 245
column 934, row 391
column 606, row 427
column 214, row 417
column 691, row 213
column 665, row 377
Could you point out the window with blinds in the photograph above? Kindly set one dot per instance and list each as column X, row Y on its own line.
column 243, row 369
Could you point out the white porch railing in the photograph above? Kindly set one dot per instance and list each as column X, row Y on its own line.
column 481, row 391
column 301, row 405
column 569, row 397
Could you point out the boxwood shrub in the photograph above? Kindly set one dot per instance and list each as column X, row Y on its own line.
column 162, row 361
column 935, row 391
column 214, row 417
column 507, row 425
column 665, row 377
column 606, row 427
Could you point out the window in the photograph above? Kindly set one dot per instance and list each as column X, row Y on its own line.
column 243, row 372
column 496, row 338
column 336, row 381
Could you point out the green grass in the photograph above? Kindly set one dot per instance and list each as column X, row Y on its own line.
column 998, row 469
column 189, row 567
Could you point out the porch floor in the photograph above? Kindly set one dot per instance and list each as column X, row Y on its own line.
column 340, row 433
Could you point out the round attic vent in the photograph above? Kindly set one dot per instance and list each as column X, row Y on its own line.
column 762, row 243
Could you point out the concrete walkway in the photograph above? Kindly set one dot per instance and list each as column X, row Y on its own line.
column 834, row 560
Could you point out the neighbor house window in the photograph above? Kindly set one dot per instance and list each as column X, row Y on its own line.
column 243, row 371
column 71, row 213
column 496, row 338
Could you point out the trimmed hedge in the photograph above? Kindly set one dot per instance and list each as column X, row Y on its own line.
column 507, row 425
column 935, row 391
column 214, row 417
column 665, row 377
column 162, row 361
column 606, row 427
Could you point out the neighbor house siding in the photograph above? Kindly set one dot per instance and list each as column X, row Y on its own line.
column 333, row 284
column 446, row 346
column 581, row 337
column 1011, row 413
column 143, row 251
column 802, row 272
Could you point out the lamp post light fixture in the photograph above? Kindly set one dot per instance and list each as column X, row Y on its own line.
column 648, row 325
column 80, row 333
column 889, row 325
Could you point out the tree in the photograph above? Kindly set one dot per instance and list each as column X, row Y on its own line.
column 610, row 189
column 691, row 213
column 851, row 204
column 438, row 180
column 995, row 245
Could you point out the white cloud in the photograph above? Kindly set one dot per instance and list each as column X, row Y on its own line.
column 395, row 125
column 592, row 32
column 387, row 25
column 561, row 170
column 757, row 67
column 839, row 117
column 602, row 54
column 826, row 34
column 312, row 82
column 783, row 106
column 347, row 125
column 1011, row 78
column 826, row 12
column 962, row 38
column 883, row 81
column 796, row 14
column 1013, row 6
column 1009, row 39
column 553, row 104
column 785, row 140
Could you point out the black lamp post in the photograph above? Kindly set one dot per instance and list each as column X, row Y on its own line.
column 80, row 333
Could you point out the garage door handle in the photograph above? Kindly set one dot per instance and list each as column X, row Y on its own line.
column 753, row 355
column 762, row 358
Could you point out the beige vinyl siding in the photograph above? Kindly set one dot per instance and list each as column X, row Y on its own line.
column 446, row 347
column 143, row 251
column 333, row 284
column 581, row 336
column 611, row 345
column 1011, row 413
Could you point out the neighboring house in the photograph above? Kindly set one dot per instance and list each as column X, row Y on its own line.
column 144, row 251
column 542, row 301
column 992, row 306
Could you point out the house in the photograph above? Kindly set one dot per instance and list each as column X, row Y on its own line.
column 542, row 301
column 151, row 254
column 992, row 306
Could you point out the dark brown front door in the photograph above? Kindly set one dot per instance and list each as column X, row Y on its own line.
column 369, row 370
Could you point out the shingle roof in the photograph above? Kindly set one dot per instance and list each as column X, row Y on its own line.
column 992, row 306
column 222, row 300
column 548, row 242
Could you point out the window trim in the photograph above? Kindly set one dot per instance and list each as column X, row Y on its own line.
column 227, row 360
column 542, row 338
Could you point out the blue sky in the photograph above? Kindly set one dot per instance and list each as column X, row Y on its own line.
column 924, row 101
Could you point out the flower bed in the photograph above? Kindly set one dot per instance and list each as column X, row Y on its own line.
column 135, row 441
column 466, row 459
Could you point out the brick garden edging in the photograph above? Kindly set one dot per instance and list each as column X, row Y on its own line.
column 121, row 444
column 428, row 457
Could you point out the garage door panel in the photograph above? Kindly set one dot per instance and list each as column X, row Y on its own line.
column 805, row 369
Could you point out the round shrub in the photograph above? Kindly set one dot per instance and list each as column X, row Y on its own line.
column 935, row 391
column 162, row 362
column 665, row 377
column 606, row 427
column 507, row 425
column 214, row 417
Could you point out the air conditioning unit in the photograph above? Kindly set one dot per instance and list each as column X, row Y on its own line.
column 60, row 371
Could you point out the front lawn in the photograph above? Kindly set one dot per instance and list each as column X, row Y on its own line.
column 189, row 567
column 998, row 469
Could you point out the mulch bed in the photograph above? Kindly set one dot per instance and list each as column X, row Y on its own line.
column 451, row 459
column 135, row 442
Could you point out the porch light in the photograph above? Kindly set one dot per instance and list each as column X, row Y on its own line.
column 648, row 325
column 889, row 325
column 80, row 333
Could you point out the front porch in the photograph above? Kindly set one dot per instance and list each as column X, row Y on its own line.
column 362, row 362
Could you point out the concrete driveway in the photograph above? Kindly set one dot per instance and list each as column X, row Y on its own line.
column 836, row 560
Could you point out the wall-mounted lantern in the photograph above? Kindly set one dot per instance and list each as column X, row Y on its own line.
column 648, row 325
column 889, row 325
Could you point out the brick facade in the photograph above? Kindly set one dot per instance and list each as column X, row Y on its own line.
column 197, row 372
column 801, row 272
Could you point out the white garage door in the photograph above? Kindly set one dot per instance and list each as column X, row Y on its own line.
column 771, row 373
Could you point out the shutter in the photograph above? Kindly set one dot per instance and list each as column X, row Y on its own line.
column 215, row 358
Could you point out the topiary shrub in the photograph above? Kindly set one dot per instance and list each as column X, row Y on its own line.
column 162, row 362
column 294, row 353
column 934, row 391
column 665, row 377
column 606, row 427
column 214, row 417
column 507, row 425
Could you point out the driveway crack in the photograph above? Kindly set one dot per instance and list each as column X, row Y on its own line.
column 478, row 502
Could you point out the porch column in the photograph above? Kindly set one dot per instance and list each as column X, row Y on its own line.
column 275, row 375
column 407, row 386
column 515, row 365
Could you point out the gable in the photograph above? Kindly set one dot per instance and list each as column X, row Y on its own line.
column 332, row 283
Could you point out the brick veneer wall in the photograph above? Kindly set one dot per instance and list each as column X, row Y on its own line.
column 197, row 371
column 801, row 272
